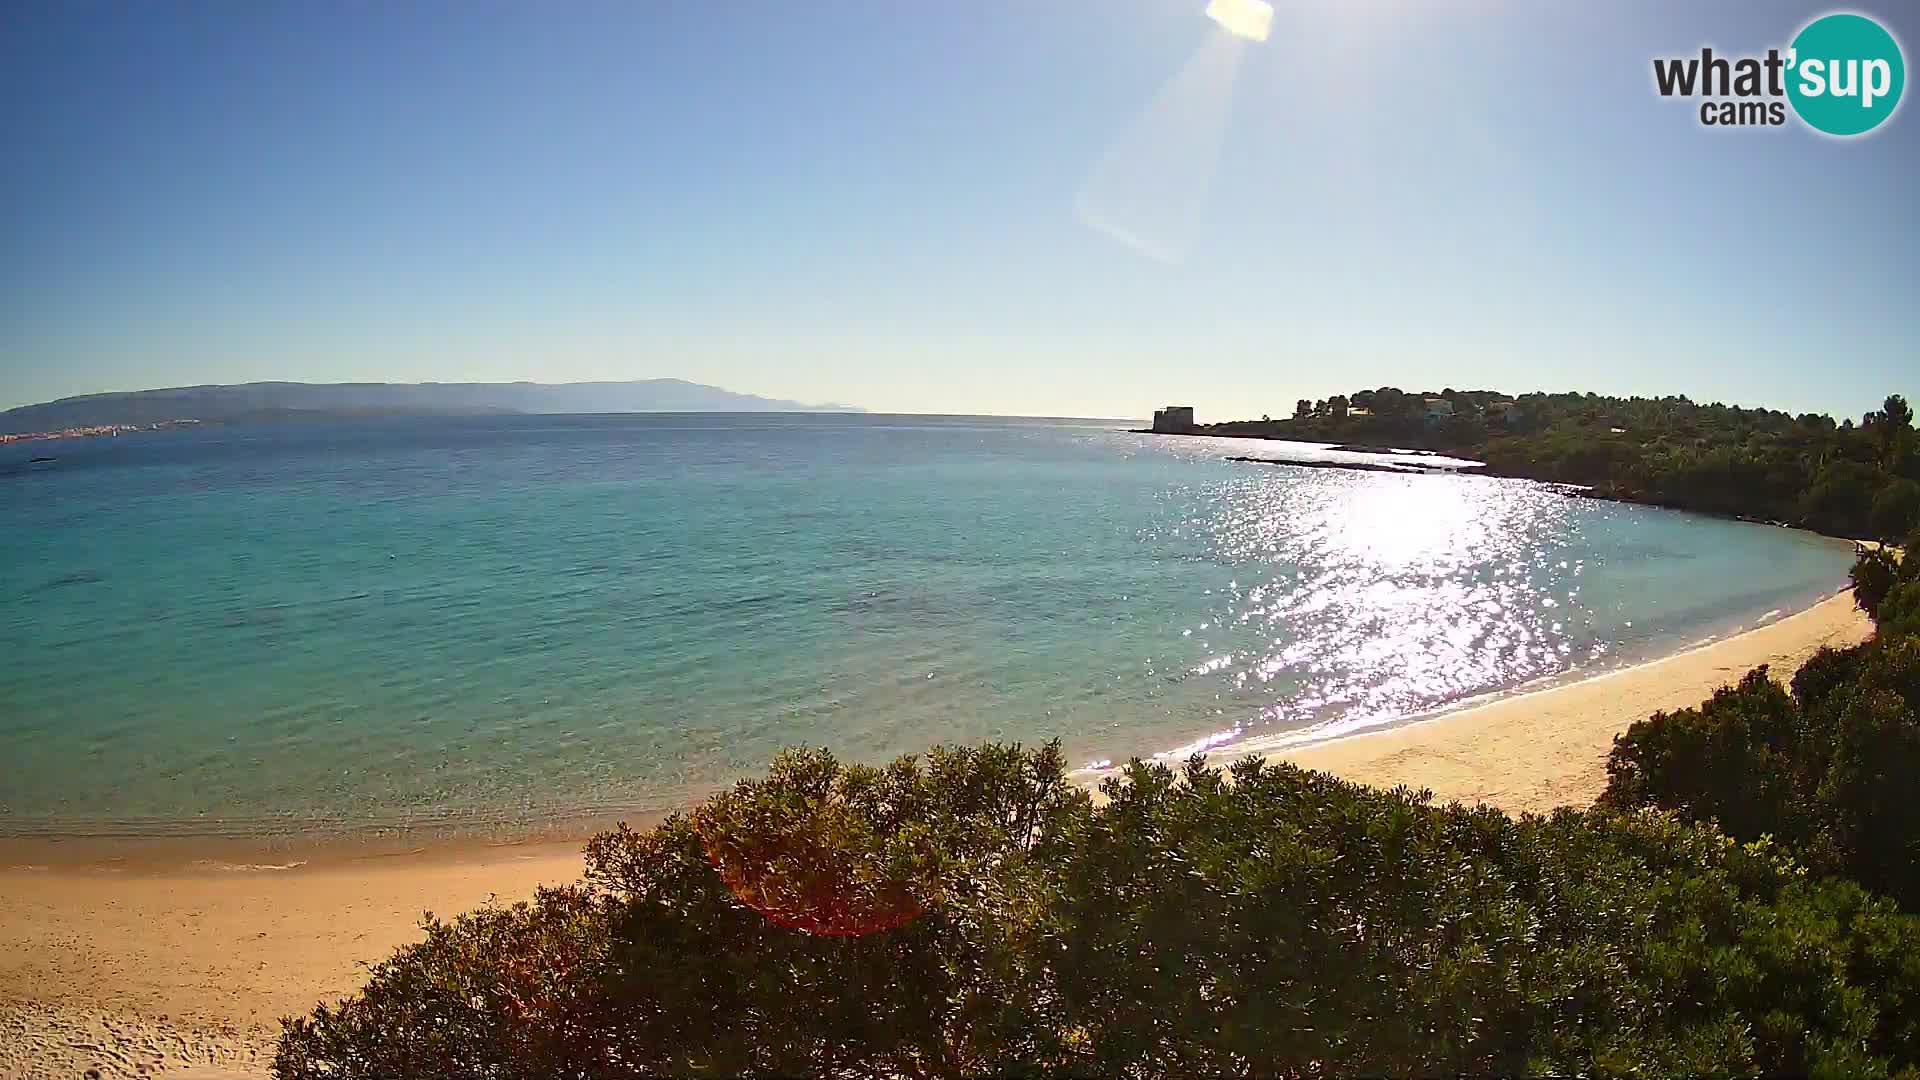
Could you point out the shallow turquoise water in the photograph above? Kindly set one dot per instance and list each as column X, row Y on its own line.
column 485, row 622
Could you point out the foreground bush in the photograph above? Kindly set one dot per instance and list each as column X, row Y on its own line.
column 677, row 957
column 1831, row 769
column 1886, row 586
column 974, row 914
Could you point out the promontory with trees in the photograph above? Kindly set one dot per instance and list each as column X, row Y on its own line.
column 1859, row 480
column 1744, row 898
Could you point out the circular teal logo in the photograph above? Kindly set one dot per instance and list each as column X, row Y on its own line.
column 1845, row 74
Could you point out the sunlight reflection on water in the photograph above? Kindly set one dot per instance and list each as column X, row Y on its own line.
column 1383, row 596
column 490, row 624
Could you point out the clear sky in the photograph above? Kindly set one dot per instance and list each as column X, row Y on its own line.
column 875, row 203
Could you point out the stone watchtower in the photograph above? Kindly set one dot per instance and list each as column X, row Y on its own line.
column 1173, row 419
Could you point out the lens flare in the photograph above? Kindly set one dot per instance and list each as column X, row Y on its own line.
column 1250, row 19
column 1148, row 189
column 807, row 881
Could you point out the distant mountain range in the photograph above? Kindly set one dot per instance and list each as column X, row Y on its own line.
column 271, row 401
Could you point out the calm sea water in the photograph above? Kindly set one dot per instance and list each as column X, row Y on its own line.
column 483, row 622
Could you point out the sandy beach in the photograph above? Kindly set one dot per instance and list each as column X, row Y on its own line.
column 118, row 969
column 130, row 970
column 1535, row 752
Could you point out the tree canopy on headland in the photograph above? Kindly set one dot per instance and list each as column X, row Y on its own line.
column 1841, row 478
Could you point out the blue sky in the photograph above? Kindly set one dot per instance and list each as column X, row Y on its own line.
column 875, row 203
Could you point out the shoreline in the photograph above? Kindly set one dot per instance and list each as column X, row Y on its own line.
column 1537, row 750
column 115, row 965
column 213, row 854
column 1477, row 468
column 1641, row 654
column 125, row 850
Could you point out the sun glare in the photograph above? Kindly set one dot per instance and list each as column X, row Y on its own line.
column 1250, row 19
column 1148, row 190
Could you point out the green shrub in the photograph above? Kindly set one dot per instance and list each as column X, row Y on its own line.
column 1886, row 585
column 974, row 914
column 1874, row 575
column 1896, row 510
column 679, row 958
column 1830, row 770
column 1741, row 759
column 1900, row 611
column 1292, row 924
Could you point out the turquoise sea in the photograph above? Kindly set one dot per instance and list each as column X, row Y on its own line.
column 485, row 623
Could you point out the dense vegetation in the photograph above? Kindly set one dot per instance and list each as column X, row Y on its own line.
column 974, row 913
column 1830, row 769
column 1842, row 479
column 1887, row 587
column 1744, row 900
